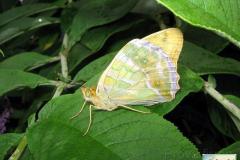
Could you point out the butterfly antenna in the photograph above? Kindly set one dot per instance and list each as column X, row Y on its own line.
column 90, row 120
column 77, row 114
column 135, row 110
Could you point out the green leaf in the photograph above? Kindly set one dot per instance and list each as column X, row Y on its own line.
column 220, row 16
column 118, row 134
column 236, row 101
column 96, row 37
column 26, row 155
column 77, row 54
column 8, row 141
column 204, row 62
column 198, row 37
column 25, row 10
column 69, row 141
column 23, row 61
column 223, row 120
column 12, row 79
column 25, row 24
column 232, row 149
column 95, row 67
column 94, row 13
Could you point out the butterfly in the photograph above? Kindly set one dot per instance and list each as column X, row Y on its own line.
column 144, row 72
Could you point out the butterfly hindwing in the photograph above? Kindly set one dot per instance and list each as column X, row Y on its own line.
column 141, row 73
column 169, row 40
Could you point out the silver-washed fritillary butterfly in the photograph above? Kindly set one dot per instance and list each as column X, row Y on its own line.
column 144, row 72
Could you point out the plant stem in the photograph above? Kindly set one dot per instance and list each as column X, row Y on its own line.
column 51, row 60
column 1, row 51
column 64, row 66
column 59, row 90
column 20, row 148
column 232, row 108
column 63, row 56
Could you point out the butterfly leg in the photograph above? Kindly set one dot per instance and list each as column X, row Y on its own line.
column 90, row 120
column 79, row 111
column 135, row 110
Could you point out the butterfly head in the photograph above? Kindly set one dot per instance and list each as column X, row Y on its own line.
column 88, row 93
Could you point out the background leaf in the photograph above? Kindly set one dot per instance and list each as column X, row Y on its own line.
column 23, row 61
column 204, row 62
column 95, row 13
column 14, row 79
column 20, row 26
column 96, row 37
column 235, row 100
column 232, row 149
column 95, row 67
column 220, row 16
column 7, row 142
column 222, row 120
column 23, row 11
column 214, row 43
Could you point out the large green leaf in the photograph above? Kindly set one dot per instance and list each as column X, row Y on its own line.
column 204, row 62
column 22, row 25
column 95, row 13
column 232, row 149
column 14, row 79
column 25, row 60
column 25, row 10
column 96, row 37
column 120, row 134
column 43, row 136
column 220, row 16
column 8, row 141
column 198, row 36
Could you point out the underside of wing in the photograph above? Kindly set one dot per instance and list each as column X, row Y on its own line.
column 140, row 74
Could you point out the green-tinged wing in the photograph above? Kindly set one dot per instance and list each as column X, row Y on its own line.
column 141, row 73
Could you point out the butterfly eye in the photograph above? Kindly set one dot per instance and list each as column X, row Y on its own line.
column 88, row 93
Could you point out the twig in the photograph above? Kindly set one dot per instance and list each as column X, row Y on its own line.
column 59, row 90
column 2, row 53
column 228, row 105
column 64, row 66
column 20, row 148
column 63, row 56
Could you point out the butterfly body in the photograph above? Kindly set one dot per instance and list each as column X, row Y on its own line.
column 98, row 102
column 144, row 72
